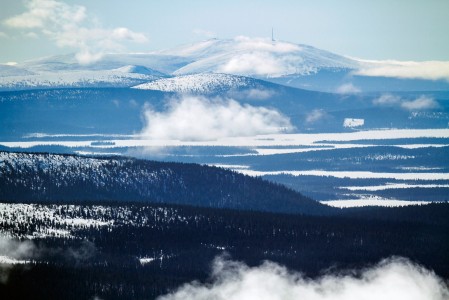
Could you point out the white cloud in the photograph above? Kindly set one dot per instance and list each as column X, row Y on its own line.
column 387, row 100
column 123, row 33
column 198, row 118
column 262, row 57
column 315, row 115
column 264, row 44
column 253, row 94
column 347, row 88
column 69, row 26
column 431, row 70
column 16, row 249
column 32, row 35
column 255, row 63
column 421, row 103
column 393, row 279
column 3, row 35
column 14, row 252
column 85, row 57
column 258, row 94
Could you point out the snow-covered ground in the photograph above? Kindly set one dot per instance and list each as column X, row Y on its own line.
column 351, row 174
column 64, row 221
column 318, row 141
column 390, row 186
column 200, row 83
column 372, row 201
column 14, row 214
column 121, row 77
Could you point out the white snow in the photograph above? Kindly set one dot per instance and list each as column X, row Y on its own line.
column 89, row 78
column 277, row 140
column 372, row 201
column 230, row 166
column 146, row 260
column 12, row 261
column 257, row 56
column 17, row 213
column 199, row 83
column 350, row 123
column 389, row 186
column 350, row 174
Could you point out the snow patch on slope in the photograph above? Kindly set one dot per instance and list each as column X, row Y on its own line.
column 200, row 83
column 115, row 78
column 350, row 122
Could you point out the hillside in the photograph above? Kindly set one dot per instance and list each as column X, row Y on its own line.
column 141, row 251
column 124, row 76
column 205, row 83
column 66, row 178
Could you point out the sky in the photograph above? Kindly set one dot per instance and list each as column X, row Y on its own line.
column 379, row 30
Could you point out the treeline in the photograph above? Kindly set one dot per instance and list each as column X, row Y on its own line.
column 375, row 159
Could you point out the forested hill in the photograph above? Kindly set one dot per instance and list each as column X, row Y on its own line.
column 43, row 177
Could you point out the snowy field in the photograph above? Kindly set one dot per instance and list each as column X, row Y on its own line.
column 318, row 141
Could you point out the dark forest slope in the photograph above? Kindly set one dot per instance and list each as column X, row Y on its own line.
column 31, row 177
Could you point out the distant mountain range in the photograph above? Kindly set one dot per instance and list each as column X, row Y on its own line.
column 289, row 64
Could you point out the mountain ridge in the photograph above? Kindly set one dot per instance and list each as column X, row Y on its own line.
column 62, row 177
column 291, row 64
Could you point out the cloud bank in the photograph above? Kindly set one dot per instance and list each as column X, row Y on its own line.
column 393, row 279
column 421, row 103
column 315, row 116
column 15, row 251
column 347, row 89
column 259, row 56
column 69, row 26
column 253, row 94
column 429, row 70
column 199, row 119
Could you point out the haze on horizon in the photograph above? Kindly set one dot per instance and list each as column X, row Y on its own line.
column 400, row 30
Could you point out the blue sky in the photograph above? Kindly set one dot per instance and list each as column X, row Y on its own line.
column 392, row 29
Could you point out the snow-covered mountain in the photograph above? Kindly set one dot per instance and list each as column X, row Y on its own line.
column 204, row 83
column 11, row 70
column 125, row 76
column 295, row 65
column 257, row 57
column 238, row 56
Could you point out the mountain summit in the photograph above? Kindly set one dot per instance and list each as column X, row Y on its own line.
column 257, row 57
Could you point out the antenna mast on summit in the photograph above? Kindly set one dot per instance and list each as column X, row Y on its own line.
column 272, row 35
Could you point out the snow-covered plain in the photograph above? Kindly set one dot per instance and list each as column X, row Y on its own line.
column 352, row 174
column 371, row 201
column 390, row 186
column 318, row 141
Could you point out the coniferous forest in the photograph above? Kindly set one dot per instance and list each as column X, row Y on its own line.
column 116, row 240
